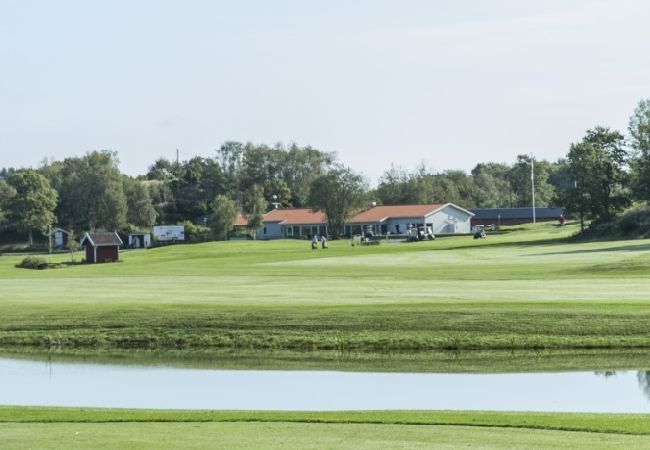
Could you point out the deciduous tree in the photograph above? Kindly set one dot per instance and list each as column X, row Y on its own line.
column 32, row 206
column 338, row 193
column 597, row 165
column 639, row 129
column 224, row 213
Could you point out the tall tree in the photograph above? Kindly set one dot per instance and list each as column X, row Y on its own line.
column 199, row 181
column 163, row 169
column 493, row 188
column 286, row 172
column 7, row 192
column 520, row 182
column 140, row 208
column 255, row 206
column 302, row 165
column 32, row 207
column 230, row 159
column 92, row 195
column 224, row 213
column 338, row 193
column 394, row 187
column 639, row 129
column 597, row 165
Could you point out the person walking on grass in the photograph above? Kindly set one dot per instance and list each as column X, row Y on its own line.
column 314, row 242
column 323, row 241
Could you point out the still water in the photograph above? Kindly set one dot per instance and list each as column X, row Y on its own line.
column 100, row 385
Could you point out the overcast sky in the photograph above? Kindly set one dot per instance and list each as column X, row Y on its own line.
column 452, row 83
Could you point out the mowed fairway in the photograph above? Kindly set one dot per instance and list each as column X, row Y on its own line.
column 70, row 428
column 526, row 288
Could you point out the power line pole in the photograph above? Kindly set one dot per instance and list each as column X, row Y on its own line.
column 176, row 156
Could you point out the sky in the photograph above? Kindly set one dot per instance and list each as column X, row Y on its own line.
column 447, row 83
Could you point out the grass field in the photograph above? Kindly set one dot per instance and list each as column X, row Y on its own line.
column 69, row 428
column 402, row 307
column 524, row 289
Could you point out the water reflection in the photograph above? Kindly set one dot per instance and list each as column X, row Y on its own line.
column 439, row 362
column 644, row 382
column 642, row 376
column 51, row 383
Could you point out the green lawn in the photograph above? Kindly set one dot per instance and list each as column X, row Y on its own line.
column 578, row 305
column 523, row 289
column 70, row 428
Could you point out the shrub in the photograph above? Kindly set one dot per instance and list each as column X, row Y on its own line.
column 33, row 262
column 196, row 233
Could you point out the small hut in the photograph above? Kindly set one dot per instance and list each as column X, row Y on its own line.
column 60, row 236
column 139, row 240
column 101, row 247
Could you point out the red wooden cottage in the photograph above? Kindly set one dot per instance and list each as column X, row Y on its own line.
column 101, row 247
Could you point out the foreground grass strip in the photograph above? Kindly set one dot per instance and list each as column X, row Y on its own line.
column 637, row 424
column 303, row 436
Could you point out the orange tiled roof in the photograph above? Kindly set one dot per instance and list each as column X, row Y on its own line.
column 241, row 220
column 302, row 216
column 378, row 213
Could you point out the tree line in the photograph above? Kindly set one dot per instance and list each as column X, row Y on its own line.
column 601, row 175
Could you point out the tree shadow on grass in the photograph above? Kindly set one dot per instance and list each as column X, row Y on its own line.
column 620, row 248
column 523, row 243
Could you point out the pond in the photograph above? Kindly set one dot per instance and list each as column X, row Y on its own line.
column 28, row 382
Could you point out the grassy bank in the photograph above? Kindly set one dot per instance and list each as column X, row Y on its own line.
column 523, row 289
column 431, row 361
column 96, row 428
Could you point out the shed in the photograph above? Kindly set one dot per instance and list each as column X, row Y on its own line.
column 514, row 216
column 101, row 247
column 60, row 236
column 139, row 240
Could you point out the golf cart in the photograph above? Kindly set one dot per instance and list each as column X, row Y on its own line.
column 479, row 232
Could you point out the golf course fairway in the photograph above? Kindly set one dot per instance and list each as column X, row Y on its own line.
column 524, row 288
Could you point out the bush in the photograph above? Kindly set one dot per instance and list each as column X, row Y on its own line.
column 33, row 262
column 196, row 233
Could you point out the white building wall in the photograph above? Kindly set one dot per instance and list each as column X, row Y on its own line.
column 273, row 231
column 403, row 224
column 450, row 220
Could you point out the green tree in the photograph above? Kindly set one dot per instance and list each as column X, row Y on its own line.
column 255, row 207
column 230, row 159
column 32, row 207
column 639, row 129
column 520, row 182
column 276, row 190
column 286, row 172
column 338, row 193
column 224, row 213
column 7, row 192
column 394, row 187
column 199, row 181
column 140, row 208
column 597, row 166
column 454, row 186
column 301, row 166
column 493, row 188
column 162, row 169
column 560, row 178
column 92, row 194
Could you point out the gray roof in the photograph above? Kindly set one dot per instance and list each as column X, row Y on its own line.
column 516, row 213
column 102, row 239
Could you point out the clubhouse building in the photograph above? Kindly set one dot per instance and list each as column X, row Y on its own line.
column 440, row 218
